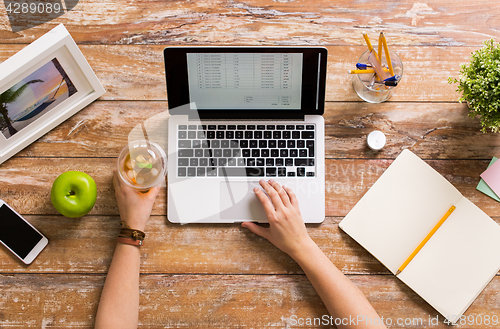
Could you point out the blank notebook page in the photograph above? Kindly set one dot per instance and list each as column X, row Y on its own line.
column 400, row 209
column 457, row 262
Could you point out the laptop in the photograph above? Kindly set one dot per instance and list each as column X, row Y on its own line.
column 238, row 115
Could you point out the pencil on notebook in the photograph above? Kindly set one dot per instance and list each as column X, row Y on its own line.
column 431, row 233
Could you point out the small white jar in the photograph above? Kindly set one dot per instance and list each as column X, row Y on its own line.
column 376, row 140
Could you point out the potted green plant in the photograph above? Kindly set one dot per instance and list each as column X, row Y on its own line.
column 479, row 84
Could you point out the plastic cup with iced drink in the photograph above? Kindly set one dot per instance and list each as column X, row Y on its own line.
column 142, row 165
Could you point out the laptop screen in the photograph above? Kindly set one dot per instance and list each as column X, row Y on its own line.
column 238, row 81
column 246, row 82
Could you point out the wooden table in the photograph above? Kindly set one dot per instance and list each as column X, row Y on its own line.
column 223, row 276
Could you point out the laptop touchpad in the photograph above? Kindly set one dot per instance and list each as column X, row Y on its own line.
column 239, row 202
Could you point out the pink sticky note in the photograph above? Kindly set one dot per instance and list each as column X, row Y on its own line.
column 492, row 177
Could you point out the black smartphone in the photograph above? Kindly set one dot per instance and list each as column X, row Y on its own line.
column 19, row 236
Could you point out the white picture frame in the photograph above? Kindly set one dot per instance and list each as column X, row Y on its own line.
column 40, row 87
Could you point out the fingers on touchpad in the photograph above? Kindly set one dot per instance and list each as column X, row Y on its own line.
column 239, row 202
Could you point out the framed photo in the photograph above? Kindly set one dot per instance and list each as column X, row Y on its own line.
column 40, row 87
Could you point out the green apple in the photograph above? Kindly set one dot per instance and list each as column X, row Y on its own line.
column 73, row 194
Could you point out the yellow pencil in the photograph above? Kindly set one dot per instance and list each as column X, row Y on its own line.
column 370, row 47
column 431, row 233
column 380, row 47
column 363, row 71
column 387, row 56
column 368, row 43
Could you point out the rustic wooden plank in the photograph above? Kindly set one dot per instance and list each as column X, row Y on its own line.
column 29, row 188
column 137, row 72
column 348, row 180
column 260, row 22
column 25, row 183
column 126, row 72
column 67, row 238
column 101, row 130
column 431, row 130
column 55, row 301
column 172, row 248
column 213, row 301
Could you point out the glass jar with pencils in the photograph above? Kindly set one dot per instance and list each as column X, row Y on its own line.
column 377, row 74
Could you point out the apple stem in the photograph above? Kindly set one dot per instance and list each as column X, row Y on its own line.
column 71, row 192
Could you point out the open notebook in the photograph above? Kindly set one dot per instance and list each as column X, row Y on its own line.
column 397, row 213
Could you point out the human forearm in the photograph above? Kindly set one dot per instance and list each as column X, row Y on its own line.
column 287, row 232
column 333, row 287
column 119, row 304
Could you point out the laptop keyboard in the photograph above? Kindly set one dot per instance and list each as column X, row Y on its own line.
column 246, row 150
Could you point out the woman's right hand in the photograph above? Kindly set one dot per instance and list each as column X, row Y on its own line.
column 286, row 227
